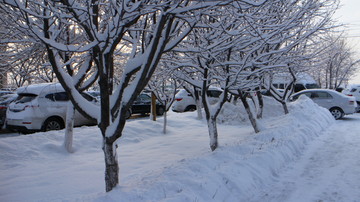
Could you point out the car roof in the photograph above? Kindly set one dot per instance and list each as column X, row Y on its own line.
column 37, row 89
column 333, row 92
column 316, row 90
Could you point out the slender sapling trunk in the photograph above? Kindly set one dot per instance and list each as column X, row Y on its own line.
column 68, row 141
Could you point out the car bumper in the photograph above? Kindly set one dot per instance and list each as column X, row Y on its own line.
column 21, row 129
column 351, row 109
column 178, row 108
column 23, row 124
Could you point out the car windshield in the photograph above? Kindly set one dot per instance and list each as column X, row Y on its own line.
column 23, row 98
column 353, row 90
column 144, row 97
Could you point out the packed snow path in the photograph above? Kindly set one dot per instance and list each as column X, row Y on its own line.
column 329, row 170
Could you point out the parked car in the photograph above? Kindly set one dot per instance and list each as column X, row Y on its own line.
column 142, row 105
column 42, row 107
column 5, row 92
column 353, row 90
column 338, row 103
column 185, row 102
column 303, row 81
column 95, row 94
column 5, row 100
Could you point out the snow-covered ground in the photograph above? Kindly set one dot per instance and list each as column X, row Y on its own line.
column 302, row 156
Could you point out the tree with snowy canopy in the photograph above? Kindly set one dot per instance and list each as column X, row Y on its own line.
column 234, row 47
column 293, row 25
column 334, row 63
column 141, row 29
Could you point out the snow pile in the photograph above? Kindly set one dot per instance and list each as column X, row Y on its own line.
column 177, row 166
column 231, row 114
column 237, row 171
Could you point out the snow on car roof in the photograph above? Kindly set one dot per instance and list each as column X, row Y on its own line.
column 321, row 90
column 317, row 90
column 39, row 88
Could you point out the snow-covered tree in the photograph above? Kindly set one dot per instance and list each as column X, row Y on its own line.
column 209, row 57
column 335, row 63
column 23, row 55
column 164, row 86
column 236, row 51
column 303, row 21
column 141, row 29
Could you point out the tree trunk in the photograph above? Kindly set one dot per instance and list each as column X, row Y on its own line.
column 68, row 141
column 247, row 108
column 153, row 107
column 261, row 105
column 198, row 102
column 284, row 105
column 165, row 122
column 212, row 133
column 111, row 165
column 199, row 109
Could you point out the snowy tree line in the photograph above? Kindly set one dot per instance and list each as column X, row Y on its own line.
column 125, row 46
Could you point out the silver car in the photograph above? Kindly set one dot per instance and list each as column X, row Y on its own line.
column 338, row 103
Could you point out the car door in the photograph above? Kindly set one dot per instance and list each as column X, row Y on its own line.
column 80, row 119
column 142, row 104
column 59, row 106
column 323, row 99
column 55, row 104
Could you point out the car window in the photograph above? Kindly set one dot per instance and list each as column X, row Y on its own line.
column 311, row 86
column 143, row 98
column 214, row 93
column 299, row 87
column 321, row 95
column 353, row 90
column 298, row 95
column 88, row 97
column 94, row 93
column 24, row 98
column 62, row 97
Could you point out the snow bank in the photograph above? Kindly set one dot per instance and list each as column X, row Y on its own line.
column 233, row 172
column 231, row 114
column 178, row 166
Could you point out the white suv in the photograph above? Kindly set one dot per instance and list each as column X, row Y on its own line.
column 42, row 107
column 185, row 102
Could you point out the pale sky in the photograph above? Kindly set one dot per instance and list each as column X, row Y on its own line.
column 349, row 14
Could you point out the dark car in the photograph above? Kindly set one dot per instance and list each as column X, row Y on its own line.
column 4, row 103
column 142, row 105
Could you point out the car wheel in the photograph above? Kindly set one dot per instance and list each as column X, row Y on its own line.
column 53, row 124
column 128, row 114
column 160, row 111
column 337, row 113
column 190, row 108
